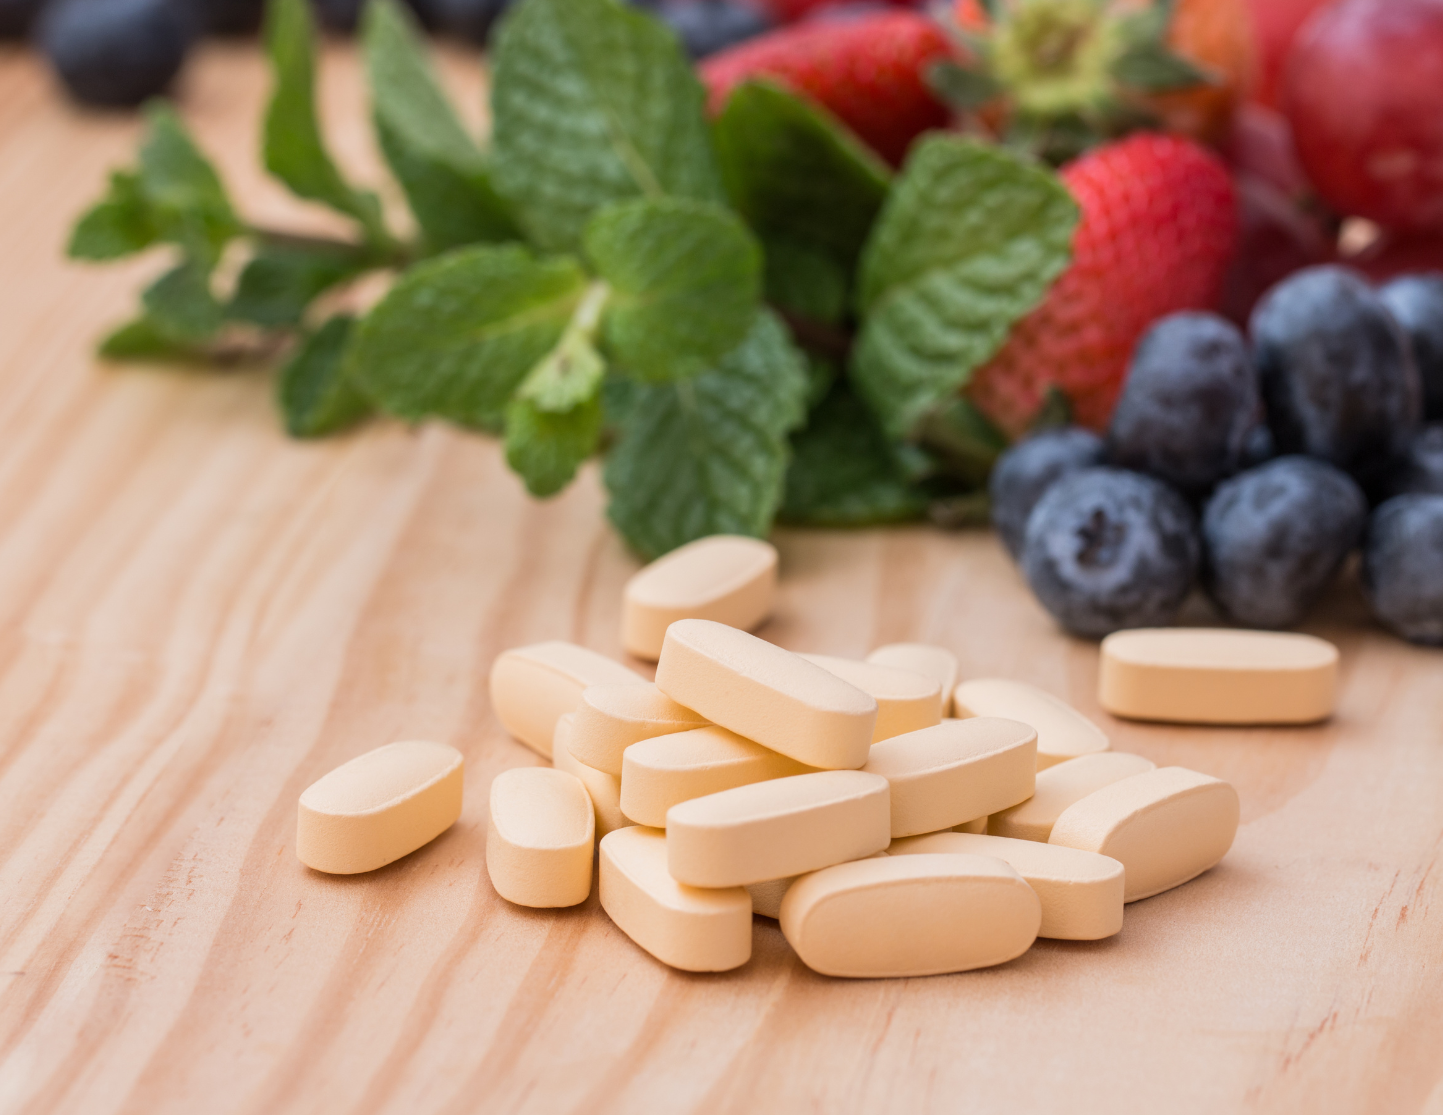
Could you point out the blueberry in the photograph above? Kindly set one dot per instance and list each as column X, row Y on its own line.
column 1189, row 403
column 1403, row 567
column 1258, row 447
column 230, row 17
column 1108, row 549
column 1336, row 371
column 1417, row 303
column 1275, row 537
column 708, row 26
column 471, row 20
column 16, row 16
column 116, row 52
column 1028, row 469
column 1420, row 470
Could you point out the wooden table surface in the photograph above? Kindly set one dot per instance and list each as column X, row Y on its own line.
column 199, row 617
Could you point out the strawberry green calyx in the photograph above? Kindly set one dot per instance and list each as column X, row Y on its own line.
column 1056, row 77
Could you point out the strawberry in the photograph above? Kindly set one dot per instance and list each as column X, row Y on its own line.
column 1159, row 223
column 868, row 72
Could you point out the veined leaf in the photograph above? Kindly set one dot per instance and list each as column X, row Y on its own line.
column 315, row 396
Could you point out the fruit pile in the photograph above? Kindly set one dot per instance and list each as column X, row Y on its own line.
column 1250, row 466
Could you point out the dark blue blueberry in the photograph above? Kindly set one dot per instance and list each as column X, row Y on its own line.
column 708, row 26
column 1108, row 549
column 1189, row 403
column 1417, row 303
column 1028, row 469
column 1420, row 470
column 1258, row 447
column 1403, row 567
column 471, row 20
column 1336, row 371
column 116, row 52
column 1275, row 537
column 16, row 16
column 230, row 17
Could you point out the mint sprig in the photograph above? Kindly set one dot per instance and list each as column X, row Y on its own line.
column 597, row 279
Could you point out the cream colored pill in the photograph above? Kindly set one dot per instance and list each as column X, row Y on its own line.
column 610, row 718
column 955, row 772
column 770, row 830
column 659, row 773
column 1081, row 892
column 937, row 663
column 603, row 789
column 1060, row 786
column 1165, row 827
column 906, row 700
column 977, row 826
column 686, row 927
column 767, row 694
column 917, row 915
column 540, row 837
column 726, row 578
column 1062, row 732
column 379, row 807
column 767, row 897
column 1195, row 676
column 533, row 687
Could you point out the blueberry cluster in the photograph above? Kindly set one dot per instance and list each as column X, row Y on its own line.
column 1254, row 468
column 121, row 52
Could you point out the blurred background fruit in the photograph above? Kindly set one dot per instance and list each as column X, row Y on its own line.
column 16, row 17
column 1275, row 24
column 116, row 52
column 706, row 27
column 230, row 17
column 1362, row 90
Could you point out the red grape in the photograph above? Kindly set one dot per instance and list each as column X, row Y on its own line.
column 1361, row 89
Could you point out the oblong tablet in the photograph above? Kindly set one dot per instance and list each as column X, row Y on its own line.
column 532, row 687
column 979, row 826
column 603, row 789
column 685, row 927
column 917, row 915
column 1081, row 892
column 1165, row 827
column 767, row 897
column 1062, row 732
column 540, row 836
column 770, row 830
column 937, row 663
column 379, row 807
column 906, row 700
column 1218, row 676
column 766, row 694
column 610, row 718
column 1061, row 785
column 659, row 773
column 955, row 772
column 726, row 578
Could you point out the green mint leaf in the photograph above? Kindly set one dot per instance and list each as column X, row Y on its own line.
column 806, row 281
column 187, row 204
column 808, row 187
column 593, row 102
column 142, row 339
column 706, row 455
column 844, row 472
column 294, row 149
column 315, row 396
column 969, row 241
column 280, row 280
column 457, row 334
column 181, row 306
column 118, row 225
column 438, row 165
column 545, row 448
column 962, row 443
column 572, row 372
column 685, row 278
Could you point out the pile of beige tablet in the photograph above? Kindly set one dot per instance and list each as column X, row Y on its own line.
column 894, row 821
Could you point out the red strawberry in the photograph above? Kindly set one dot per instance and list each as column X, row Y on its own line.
column 1159, row 224
column 868, row 72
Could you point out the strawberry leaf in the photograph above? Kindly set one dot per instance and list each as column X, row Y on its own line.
column 439, row 166
column 706, row 455
column 808, row 187
column 592, row 103
column 685, row 279
column 315, row 395
column 969, row 241
column 457, row 334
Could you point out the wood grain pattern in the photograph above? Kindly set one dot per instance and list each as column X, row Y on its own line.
column 198, row 618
